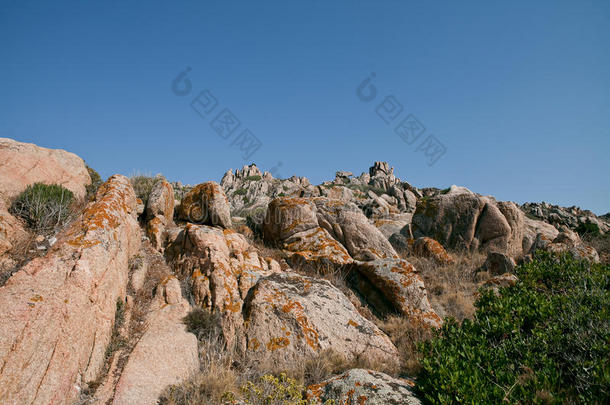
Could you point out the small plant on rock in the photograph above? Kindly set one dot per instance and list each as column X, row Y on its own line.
column 44, row 207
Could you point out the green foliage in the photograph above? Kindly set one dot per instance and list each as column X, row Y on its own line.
column 272, row 390
column 246, row 200
column 143, row 185
column 545, row 340
column 255, row 219
column 96, row 182
column 202, row 323
column 588, row 228
column 241, row 191
column 253, row 178
column 44, row 207
column 446, row 190
column 365, row 188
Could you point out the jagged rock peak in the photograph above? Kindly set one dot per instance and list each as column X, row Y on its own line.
column 381, row 168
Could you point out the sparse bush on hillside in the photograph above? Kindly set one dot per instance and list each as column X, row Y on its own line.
column 276, row 390
column 253, row 178
column 45, row 208
column 588, row 228
column 96, row 182
column 544, row 340
column 143, row 185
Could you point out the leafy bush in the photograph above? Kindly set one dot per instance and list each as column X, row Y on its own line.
column 44, row 207
column 588, row 228
column 96, row 182
column 545, row 340
column 241, row 191
column 143, row 185
column 253, row 178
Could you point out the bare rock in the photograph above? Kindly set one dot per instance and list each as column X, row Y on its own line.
column 206, row 204
column 11, row 229
column 428, row 247
column 393, row 285
column 566, row 241
column 290, row 317
column 346, row 223
column 461, row 219
column 161, row 201
column 364, row 387
column 58, row 311
column 165, row 355
column 25, row 163
column 220, row 267
column 498, row 263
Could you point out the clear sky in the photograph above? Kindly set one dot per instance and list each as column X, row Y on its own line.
column 517, row 93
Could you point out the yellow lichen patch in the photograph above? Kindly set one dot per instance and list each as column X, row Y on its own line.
column 353, row 323
column 36, row 298
column 278, row 343
column 253, row 344
column 233, row 306
column 362, row 400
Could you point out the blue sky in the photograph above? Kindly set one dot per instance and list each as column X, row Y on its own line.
column 517, row 93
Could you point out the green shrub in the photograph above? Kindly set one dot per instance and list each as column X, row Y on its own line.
column 202, row 323
column 588, row 228
column 241, row 191
column 143, row 185
column 44, row 207
column 96, row 182
column 545, row 340
column 253, row 178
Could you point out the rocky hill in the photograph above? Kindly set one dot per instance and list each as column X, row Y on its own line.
column 155, row 292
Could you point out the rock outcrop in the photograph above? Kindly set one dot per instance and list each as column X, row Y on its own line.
column 159, row 213
column 206, row 204
column 428, row 247
column 293, row 317
column 464, row 220
column 364, row 387
column 165, row 355
column 566, row 241
column 220, row 267
column 58, row 311
column 23, row 164
column 573, row 217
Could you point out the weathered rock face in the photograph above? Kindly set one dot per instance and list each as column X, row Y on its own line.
column 566, row 241
column 11, row 229
column 220, row 266
column 57, row 312
column 346, row 223
column 461, row 219
column 428, row 247
column 572, row 217
column 532, row 229
column 287, row 216
column 315, row 247
column 250, row 190
column 206, row 204
column 159, row 213
column 290, row 316
column 166, row 354
column 364, row 387
column 393, row 285
column 498, row 263
column 25, row 163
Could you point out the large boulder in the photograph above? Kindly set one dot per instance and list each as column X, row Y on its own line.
column 346, row 223
column 165, row 355
column 315, row 247
column 287, row 216
column 566, row 241
column 461, row 219
column 25, row 163
column 428, row 247
column 58, row 311
column 394, row 286
column 291, row 317
column 206, row 204
column 159, row 213
column 364, row 387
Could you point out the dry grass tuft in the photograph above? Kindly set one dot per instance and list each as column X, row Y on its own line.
column 405, row 335
column 452, row 287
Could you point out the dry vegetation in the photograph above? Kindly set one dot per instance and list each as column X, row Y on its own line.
column 452, row 287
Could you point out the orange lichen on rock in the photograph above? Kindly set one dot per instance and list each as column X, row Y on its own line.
column 278, row 343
